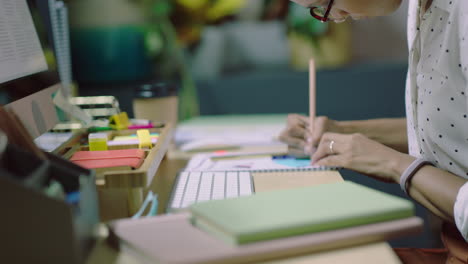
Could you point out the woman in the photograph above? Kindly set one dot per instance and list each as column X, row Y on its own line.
column 434, row 132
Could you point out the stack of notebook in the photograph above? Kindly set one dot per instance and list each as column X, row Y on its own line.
column 279, row 214
column 271, row 225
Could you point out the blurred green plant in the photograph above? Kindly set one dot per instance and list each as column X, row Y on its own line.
column 300, row 21
column 159, row 12
column 213, row 10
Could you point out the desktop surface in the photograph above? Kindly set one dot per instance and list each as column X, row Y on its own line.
column 164, row 181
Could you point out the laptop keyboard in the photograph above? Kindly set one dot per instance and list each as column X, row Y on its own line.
column 192, row 187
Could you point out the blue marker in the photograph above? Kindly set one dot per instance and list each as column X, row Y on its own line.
column 73, row 198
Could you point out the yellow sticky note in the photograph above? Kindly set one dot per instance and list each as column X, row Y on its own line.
column 144, row 139
column 97, row 141
column 119, row 121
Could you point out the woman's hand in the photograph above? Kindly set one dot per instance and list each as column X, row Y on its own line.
column 359, row 153
column 298, row 137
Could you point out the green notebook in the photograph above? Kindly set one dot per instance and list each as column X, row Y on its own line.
column 278, row 214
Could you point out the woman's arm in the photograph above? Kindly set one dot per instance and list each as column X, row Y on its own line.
column 388, row 131
column 434, row 188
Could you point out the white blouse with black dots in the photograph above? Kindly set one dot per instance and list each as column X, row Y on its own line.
column 437, row 88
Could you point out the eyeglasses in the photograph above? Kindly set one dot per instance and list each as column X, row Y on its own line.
column 321, row 13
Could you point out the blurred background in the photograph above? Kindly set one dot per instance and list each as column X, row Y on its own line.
column 231, row 56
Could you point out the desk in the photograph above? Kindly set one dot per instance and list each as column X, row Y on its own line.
column 162, row 185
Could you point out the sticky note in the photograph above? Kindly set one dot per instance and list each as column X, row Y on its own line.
column 110, row 158
column 135, row 137
column 293, row 162
column 144, row 139
column 97, row 141
column 119, row 121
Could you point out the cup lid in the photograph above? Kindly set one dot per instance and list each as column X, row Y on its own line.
column 155, row 90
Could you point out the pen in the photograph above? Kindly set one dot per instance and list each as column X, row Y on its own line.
column 140, row 126
column 277, row 157
column 98, row 129
column 312, row 95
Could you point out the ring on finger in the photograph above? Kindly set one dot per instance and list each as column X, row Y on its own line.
column 331, row 147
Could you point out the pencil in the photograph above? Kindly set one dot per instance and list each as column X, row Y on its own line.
column 311, row 95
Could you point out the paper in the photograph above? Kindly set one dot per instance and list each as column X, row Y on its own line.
column 36, row 111
column 246, row 162
column 236, row 130
column 128, row 142
column 51, row 141
column 20, row 50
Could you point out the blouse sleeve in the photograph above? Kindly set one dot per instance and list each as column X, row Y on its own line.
column 461, row 204
column 463, row 45
column 461, row 211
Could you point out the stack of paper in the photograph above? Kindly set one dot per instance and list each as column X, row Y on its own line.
column 224, row 132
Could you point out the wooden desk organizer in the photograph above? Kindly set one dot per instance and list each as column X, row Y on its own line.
column 121, row 191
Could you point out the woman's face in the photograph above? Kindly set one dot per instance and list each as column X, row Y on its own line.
column 355, row 9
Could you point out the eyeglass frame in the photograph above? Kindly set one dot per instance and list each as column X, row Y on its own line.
column 323, row 18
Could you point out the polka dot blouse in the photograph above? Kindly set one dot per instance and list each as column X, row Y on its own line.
column 436, row 90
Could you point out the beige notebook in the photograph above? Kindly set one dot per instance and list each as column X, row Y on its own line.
column 281, row 180
column 173, row 239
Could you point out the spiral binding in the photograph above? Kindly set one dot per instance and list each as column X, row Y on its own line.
column 299, row 169
column 322, row 168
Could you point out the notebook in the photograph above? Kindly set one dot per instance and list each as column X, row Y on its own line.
column 227, row 175
column 195, row 186
column 250, row 162
column 285, row 213
column 132, row 158
column 172, row 239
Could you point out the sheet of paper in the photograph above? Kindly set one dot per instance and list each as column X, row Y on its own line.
column 240, row 130
column 246, row 162
column 50, row 141
column 36, row 111
column 20, row 50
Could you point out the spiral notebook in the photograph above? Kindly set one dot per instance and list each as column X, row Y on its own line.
column 253, row 162
column 209, row 177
